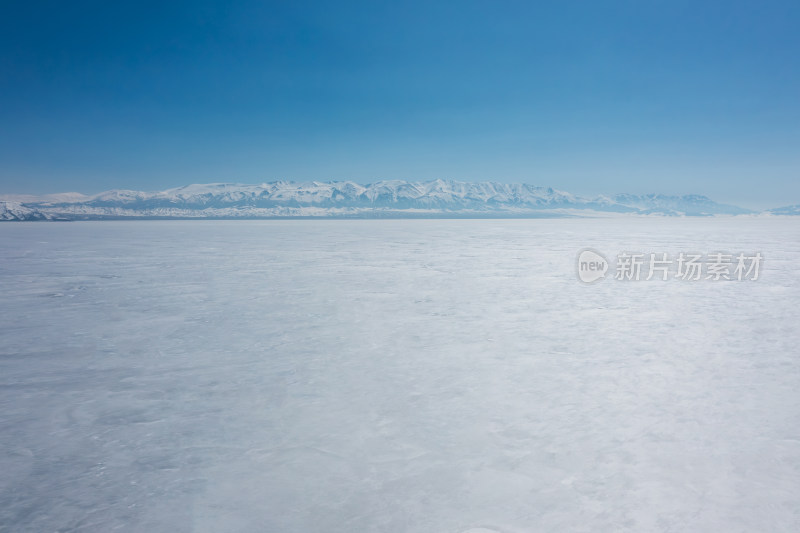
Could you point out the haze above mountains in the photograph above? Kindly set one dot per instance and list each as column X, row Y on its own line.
column 346, row 199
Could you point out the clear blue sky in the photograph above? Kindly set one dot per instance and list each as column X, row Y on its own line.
column 635, row 96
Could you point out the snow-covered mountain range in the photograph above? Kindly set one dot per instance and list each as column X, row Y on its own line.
column 438, row 198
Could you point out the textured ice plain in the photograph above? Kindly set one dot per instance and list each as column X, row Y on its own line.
column 394, row 376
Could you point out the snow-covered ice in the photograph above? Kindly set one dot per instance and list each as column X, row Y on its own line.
column 394, row 376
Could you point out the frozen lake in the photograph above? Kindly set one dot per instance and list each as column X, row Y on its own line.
column 394, row 376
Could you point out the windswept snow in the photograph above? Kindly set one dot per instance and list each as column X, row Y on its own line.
column 394, row 376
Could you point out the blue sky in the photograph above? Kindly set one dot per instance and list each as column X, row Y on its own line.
column 634, row 96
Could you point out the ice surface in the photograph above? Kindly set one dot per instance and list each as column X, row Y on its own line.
column 394, row 376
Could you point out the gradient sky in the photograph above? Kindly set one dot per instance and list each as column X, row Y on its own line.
column 625, row 96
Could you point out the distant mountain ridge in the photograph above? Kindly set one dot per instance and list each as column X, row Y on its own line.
column 397, row 198
column 787, row 210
